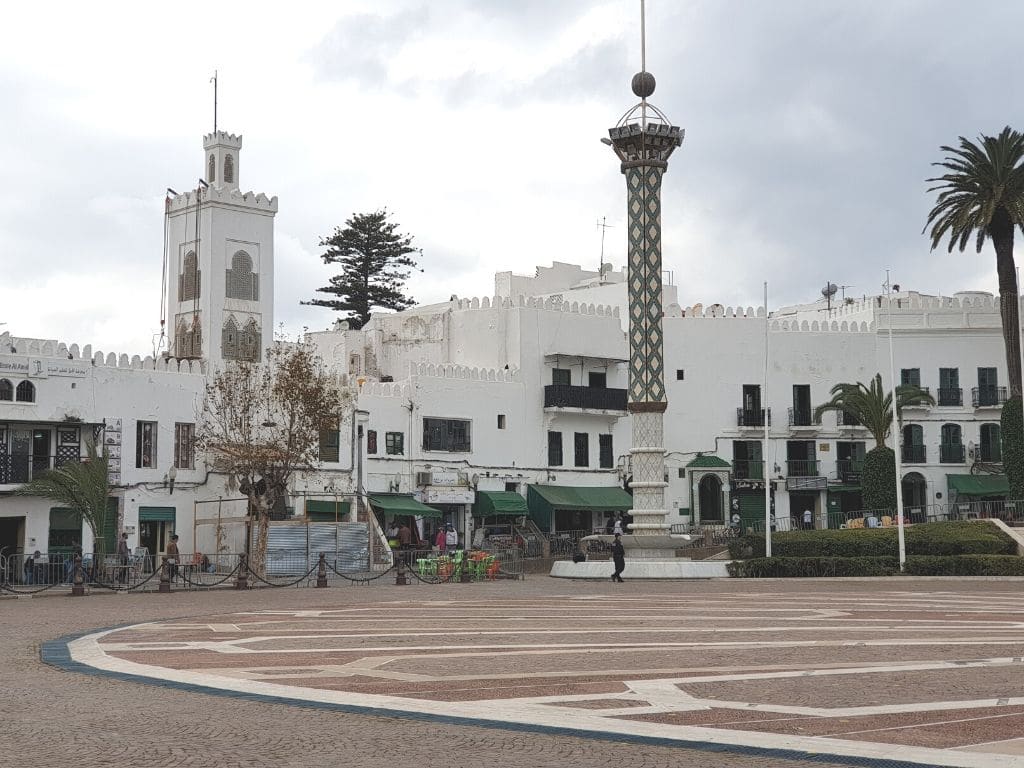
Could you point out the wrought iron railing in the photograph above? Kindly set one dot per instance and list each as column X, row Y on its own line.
column 743, row 469
column 596, row 398
column 21, row 468
column 988, row 397
column 800, row 417
column 951, row 453
column 802, row 468
column 752, row 418
column 914, row 454
column 849, row 470
column 951, row 396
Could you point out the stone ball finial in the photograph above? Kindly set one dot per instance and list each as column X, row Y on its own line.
column 643, row 84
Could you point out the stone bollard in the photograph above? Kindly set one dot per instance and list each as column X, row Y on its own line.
column 165, row 575
column 400, row 579
column 242, row 579
column 321, row 571
column 77, row 582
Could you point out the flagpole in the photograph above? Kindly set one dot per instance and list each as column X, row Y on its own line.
column 764, row 448
column 896, row 431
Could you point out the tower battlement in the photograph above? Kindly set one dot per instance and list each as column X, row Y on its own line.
column 222, row 138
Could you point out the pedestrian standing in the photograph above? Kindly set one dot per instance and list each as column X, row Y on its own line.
column 808, row 519
column 619, row 558
column 29, row 570
column 123, row 556
column 172, row 557
column 451, row 538
column 617, row 526
column 440, row 540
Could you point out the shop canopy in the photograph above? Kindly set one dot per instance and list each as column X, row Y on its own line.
column 543, row 500
column 979, row 486
column 402, row 504
column 327, row 511
column 495, row 503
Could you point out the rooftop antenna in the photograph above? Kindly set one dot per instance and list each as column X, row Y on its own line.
column 830, row 290
column 843, row 288
column 214, row 81
column 600, row 272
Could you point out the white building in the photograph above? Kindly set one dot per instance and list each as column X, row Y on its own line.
column 520, row 392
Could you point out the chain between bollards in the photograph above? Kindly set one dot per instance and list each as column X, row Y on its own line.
column 400, row 579
column 321, row 571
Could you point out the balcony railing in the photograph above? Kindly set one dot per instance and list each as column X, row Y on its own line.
column 845, row 419
column 914, row 454
column 990, row 453
column 802, row 468
column 951, row 396
column 849, row 470
column 800, row 417
column 21, row 467
column 595, row 398
column 950, row 453
column 988, row 397
column 752, row 418
column 743, row 469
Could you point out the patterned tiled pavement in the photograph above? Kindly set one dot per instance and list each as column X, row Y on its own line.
column 536, row 673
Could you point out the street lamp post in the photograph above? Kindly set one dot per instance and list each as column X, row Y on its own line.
column 897, row 431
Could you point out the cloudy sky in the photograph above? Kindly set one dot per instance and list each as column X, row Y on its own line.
column 810, row 129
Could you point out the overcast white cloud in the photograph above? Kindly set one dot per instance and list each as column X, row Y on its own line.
column 810, row 130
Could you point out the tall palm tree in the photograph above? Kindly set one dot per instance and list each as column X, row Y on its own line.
column 982, row 196
column 871, row 406
column 80, row 486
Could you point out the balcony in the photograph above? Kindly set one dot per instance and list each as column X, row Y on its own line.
column 21, row 468
column 585, row 398
column 801, row 417
column 951, row 453
column 752, row 418
column 914, row 454
column 923, row 405
column 744, row 469
column 802, row 468
column 849, row 470
column 988, row 397
column 951, row 396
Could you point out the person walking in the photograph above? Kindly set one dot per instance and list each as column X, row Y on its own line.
column 619, row 558
column 172, row 557
column 451, row 538
column 617, row 525
column 124, row 555
column 440, row 540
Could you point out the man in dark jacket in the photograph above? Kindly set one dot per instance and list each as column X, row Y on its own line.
column 619, row 558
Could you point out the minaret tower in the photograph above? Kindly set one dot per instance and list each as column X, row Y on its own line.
column 643, row 140
column 220, row 262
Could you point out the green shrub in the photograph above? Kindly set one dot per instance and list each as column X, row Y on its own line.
column 878, row 479
column 948, row 538
column 1010, row 432
column 965, row 565
column 796, row 567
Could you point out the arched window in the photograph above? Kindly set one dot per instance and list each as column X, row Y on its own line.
column 240, row 282
column 990, row 448
column 26, row 392
column 6, row 390
column 951, row 449
column 229, row 339
column 229, row 169
column 188, row 341
column 913, row 444
column 188, row 280
column 211, row 170
column 710, row 497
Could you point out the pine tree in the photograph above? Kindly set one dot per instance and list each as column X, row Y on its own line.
column 375, row 263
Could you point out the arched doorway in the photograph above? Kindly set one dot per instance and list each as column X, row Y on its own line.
column 915, row 497
column 710, row 495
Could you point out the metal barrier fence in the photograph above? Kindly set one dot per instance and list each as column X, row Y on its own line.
column 56, row 571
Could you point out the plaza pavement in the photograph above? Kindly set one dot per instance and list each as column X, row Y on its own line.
column 883, row 672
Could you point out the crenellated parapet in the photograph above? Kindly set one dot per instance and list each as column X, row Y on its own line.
column 548, row 304
column 72, row 354
column 464, row 372
column 821, row 326
column 224, row 195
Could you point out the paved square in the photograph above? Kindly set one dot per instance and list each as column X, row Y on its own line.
column 874, row 672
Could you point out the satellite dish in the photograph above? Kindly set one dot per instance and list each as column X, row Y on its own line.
column 830, row 290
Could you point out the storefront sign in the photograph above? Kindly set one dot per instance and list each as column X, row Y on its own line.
column 747, row 485
column 447, row 479
column 443, row 495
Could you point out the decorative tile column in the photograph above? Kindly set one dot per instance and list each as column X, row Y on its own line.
column 643, row 141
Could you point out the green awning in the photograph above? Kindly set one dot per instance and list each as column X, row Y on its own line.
column 979, row 486
column 403, row 504
column 708, row 462
column 156, row 514
column 491, row 503
column 324, row 511
column 543, row 500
